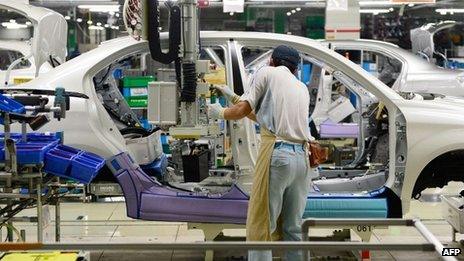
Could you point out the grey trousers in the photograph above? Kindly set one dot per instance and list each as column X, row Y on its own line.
column 289, row 182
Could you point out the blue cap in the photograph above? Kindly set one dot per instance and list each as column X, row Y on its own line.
column 286, row 53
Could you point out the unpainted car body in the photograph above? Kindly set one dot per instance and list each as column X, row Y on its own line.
column 12, row 50
column 423, row 133
column 414, row 74
column 47, row 46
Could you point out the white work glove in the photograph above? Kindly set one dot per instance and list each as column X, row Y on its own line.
column 228, row 93
column 216, row 111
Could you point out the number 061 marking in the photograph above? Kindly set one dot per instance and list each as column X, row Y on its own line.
column 363, row 228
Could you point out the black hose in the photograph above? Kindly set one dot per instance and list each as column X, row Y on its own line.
column 154, row 35
column 189, row 87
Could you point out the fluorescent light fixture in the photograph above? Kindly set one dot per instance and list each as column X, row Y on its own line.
column 376, row 3
column 284, row 1
column 67, row 17
column 79, row 20
column 374, row 11
column 411, row 5
column 293, row 11
column 96, row 27
column 298, row 9
column 107, row 25
column 100, row 8
column 444, row 11
column 99, row 24
column 13, row 25
column 231, row 13
column 89, row 22
column 115, row 27
column 289, row 13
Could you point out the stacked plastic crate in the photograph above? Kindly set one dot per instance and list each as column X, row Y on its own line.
column 59, row 160
column 135, row 90
column 71, row 163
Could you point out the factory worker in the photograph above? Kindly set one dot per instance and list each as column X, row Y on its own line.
column 279, row 102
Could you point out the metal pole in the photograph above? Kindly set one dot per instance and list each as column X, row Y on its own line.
column 23, row 131
column 211, row 245
column 190, row 30
column 39, row 213
column 431, row 239
column 190, row 54
column 8, row 189
column 57, row 219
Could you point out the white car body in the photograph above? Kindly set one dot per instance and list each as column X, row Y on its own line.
column 24, row 73
column 416, row 75
column 48, row 41
column 420, row 131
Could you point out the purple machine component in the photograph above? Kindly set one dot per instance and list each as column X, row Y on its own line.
column 329, row 129
column 147, row 199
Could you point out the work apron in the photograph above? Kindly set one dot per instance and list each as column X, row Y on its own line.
column 258, row 225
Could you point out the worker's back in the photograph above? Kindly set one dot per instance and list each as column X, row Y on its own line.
column 284, row 105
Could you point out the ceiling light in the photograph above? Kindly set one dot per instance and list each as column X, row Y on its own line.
column 96, row 27
column 13, row 25
column 89, row 22
column 280, row 1
column 391, row 9
column 100, row 8
column 117, row 14
column 411, row 5
column 67, row 17
column 231, row 13
column 99, row 24
column 115, row 27
column 371, row 3
column 107, row 25
column 298, row 9
column 374, row 11
column 79, row 20
column 289, row 14
column 293, row 11
column 450, row 10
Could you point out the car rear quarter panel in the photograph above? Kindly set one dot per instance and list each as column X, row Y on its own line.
column 440, row 82
column 432, row 130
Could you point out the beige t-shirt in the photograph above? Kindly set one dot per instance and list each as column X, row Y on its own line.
column 280, row 102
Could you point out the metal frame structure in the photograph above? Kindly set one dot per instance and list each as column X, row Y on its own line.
column 35, row 184
column 432, row 245
column 367, row 225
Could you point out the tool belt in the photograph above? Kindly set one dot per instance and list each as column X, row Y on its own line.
column 317, row 154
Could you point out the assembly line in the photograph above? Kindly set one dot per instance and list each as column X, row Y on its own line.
column 265, row 134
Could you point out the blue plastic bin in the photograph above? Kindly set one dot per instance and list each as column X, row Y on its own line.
column 10, row 105
column 43, row 136
column 30, row 152
column 85, row 167
column 157, row 168
column 58, row 162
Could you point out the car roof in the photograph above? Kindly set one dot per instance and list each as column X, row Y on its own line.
column 413, row 60
column 75, row 69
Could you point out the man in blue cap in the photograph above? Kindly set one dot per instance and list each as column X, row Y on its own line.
column 279, row 102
